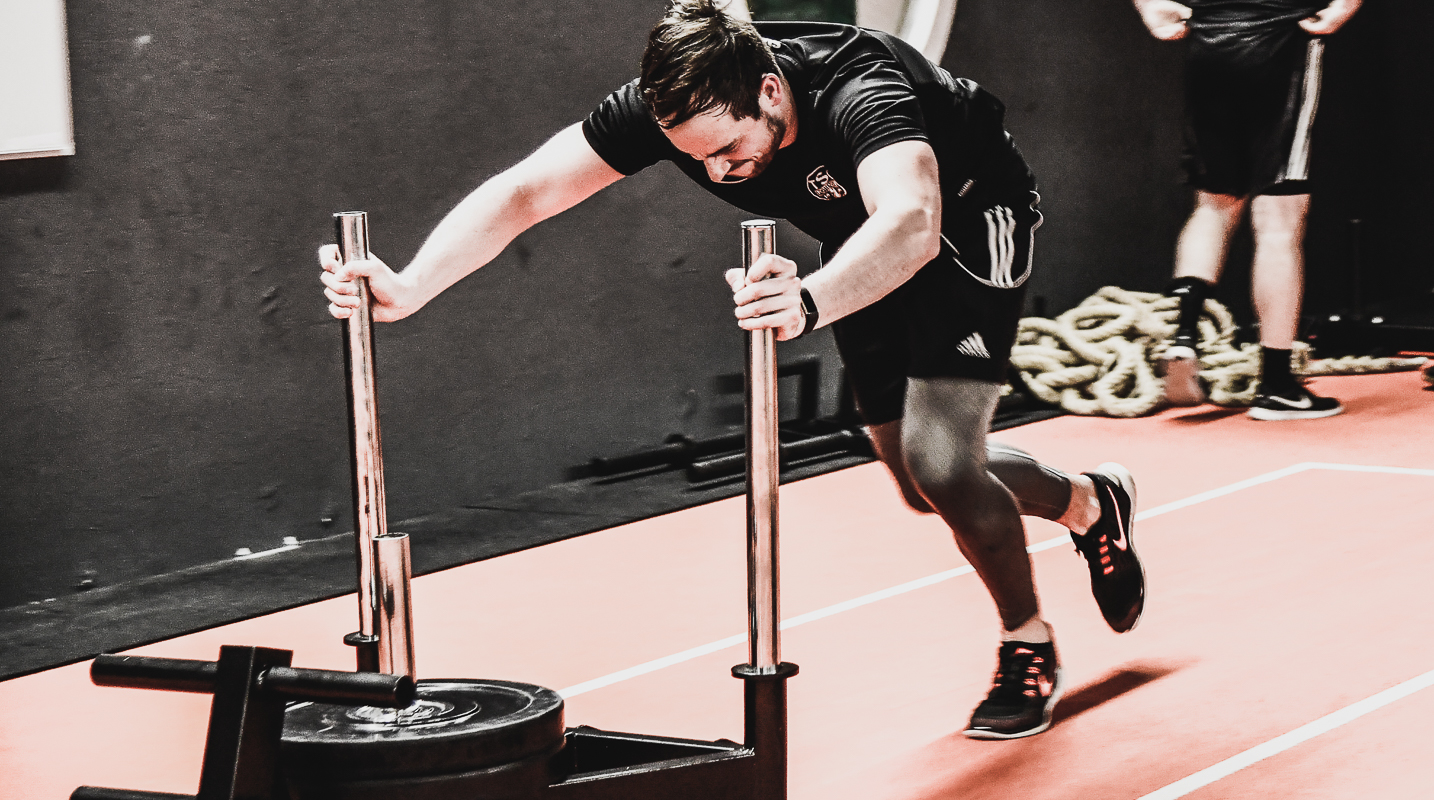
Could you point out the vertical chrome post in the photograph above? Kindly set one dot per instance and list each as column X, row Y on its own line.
column 393, row 576
column 763, row 598
column 370, row 519
column 383, row 588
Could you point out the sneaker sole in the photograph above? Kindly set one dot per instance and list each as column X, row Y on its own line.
column 1277, row 415
column 1122, row 477
column 1182, row 377
column 1050, row 710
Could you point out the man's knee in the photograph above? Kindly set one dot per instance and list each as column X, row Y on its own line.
column 943, row 439
column 1279, row 219
column 945, row 468
column 913, row 499
column 885, row 439
column 1227, row 207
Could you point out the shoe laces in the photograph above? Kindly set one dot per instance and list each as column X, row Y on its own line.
column 1018, row 674
column 1100, row 552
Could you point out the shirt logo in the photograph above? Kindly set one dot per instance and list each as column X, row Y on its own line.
column 823, row 186
column 973, row 347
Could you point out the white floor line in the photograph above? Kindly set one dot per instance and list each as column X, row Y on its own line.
column 652, row 666
column 733, row 641
column 931, row 580
column 1299, row 735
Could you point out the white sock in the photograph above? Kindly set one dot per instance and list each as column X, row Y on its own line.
column 1083, row 512
column 1034, row 630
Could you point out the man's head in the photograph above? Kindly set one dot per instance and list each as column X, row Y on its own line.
column 714, row 87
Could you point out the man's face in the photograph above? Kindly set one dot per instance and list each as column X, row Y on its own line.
column 731, row 149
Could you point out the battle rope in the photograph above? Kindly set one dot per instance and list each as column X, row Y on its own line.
column 1099, row 357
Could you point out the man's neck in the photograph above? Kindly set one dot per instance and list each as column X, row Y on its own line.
column 789, row 112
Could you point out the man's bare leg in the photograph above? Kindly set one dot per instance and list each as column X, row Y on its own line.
column 1205, row 240
column 943, row 458
column 1278, row 287
column 1199, row 260
column 987, row 494
column 1279, row 265
column 1038, row 490
column 941, row 461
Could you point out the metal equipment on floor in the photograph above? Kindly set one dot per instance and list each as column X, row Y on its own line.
column 380, row 733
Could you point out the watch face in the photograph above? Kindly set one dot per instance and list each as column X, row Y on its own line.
column 808, row 305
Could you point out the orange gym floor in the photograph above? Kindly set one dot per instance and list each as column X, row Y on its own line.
column 1283, row 652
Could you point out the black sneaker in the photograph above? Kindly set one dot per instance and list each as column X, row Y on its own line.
column 1296, row 403
column 1179, row 365
column 1023, row 694
column 1116, row 577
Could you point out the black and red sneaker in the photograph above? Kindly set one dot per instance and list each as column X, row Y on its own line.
column 1023, row 693
column 1117, row 578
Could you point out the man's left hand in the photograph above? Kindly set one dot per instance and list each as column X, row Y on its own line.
column 1330, row 18
column 769, row 295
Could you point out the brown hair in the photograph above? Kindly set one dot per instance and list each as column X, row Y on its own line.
column 699, row 59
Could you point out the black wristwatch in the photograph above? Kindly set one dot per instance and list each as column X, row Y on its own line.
column 809, row 313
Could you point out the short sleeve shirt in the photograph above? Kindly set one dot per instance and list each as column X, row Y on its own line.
column 856, row 92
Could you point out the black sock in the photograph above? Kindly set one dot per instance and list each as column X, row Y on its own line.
column 1275, row 375
column 1192, row 292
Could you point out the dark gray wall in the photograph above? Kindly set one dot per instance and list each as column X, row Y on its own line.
column 1372, row 158
column 173, row 385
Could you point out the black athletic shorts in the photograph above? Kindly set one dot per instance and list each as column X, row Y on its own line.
column 1247, row 129
column 956, row 317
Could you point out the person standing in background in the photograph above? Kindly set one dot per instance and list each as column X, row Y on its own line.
column 1252, row 86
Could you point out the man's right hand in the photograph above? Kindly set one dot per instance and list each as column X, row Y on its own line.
column 392, row 296
column 1165, row 19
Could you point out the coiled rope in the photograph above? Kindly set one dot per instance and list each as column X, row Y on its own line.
column 1098, row 359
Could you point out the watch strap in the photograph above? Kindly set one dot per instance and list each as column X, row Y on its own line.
column 809, row 313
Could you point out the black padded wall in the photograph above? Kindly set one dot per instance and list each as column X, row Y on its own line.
column 1372, row 158
column 173, row 385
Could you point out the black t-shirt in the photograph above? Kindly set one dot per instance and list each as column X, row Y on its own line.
column 856, row 91
column 1247, row 33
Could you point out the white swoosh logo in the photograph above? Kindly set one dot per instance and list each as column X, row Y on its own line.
column 1305, row 402
column 1123, row 542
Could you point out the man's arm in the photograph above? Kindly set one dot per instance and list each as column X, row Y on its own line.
column 557, row 176
column 1330, row 18
column 902, row 232
column 1165, row 19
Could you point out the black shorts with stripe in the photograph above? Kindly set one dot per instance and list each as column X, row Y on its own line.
column 956, row 317
column 1247, row 128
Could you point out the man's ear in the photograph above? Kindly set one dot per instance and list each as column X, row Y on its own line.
column 771, row 89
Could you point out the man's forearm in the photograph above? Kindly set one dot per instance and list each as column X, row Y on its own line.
column 556, row 177
column 471, row 235
column 883, row 254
